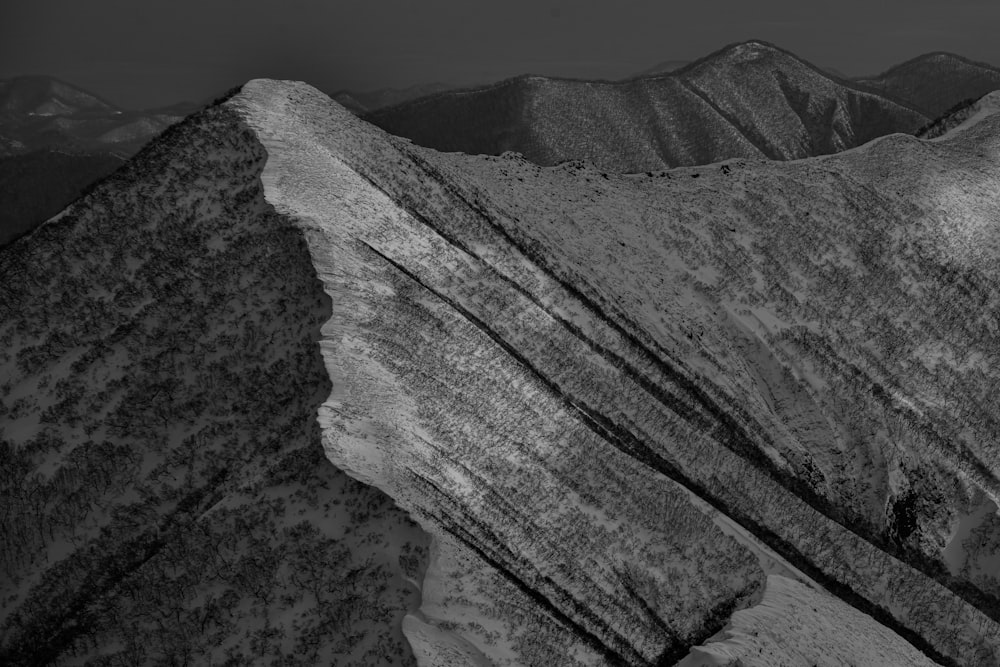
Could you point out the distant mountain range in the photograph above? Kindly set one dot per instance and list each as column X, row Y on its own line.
column 746, row 100
column 55, row 139
column 360, row 102
column 44, row 96
column 40, row 112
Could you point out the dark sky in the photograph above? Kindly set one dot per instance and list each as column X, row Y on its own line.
column 141, row 53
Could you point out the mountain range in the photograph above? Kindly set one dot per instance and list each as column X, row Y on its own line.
column 747, row 100
column 731, row 414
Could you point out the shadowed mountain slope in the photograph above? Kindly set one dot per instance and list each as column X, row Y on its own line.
column 163, row 493
column 746, row 100
column 935, row 82
column 630, row 411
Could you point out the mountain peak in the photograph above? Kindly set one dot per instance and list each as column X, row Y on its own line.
column 753, row 52
column 750, row 50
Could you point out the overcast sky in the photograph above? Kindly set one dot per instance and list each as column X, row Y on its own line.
column 141, row 53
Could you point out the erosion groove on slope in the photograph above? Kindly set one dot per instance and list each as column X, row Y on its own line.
column 856, row 524
column 725, row 431
column 728, row 422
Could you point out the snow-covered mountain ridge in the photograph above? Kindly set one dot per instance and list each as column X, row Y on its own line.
column 667, row 307
column 622, row 407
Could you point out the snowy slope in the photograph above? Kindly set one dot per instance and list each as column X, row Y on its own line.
column 670, row 317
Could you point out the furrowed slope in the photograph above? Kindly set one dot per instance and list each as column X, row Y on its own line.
column 936, row 82
column 164, row 498
column 745, row 101
column 602, row 394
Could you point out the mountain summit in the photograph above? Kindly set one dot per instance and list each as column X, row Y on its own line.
column 629, row 411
